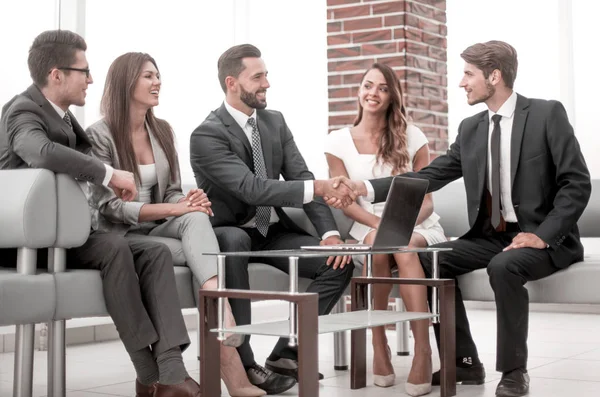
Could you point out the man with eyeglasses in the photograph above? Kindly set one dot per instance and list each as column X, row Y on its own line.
column 37, row 130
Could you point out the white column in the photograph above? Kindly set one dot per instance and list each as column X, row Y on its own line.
column 240, row 17
column 70, row 15
column 565, row 49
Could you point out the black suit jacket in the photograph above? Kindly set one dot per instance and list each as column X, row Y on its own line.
column 221, row 158
column 32, row 135
column 550, row 180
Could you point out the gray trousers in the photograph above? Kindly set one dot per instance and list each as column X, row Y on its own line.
column 197, row 237
column 139, row 289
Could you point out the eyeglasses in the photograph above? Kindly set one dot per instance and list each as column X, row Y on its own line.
column 86, row 70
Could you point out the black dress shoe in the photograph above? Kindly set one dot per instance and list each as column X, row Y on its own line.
column 473, row 375
column 513, row 384
column 268, row 380
column 286, row 366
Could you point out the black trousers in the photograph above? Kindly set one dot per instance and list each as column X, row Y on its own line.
column 139, row 288
column 328, row 283
column 508, row 272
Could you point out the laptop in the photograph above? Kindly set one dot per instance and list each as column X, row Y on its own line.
column 398, row 218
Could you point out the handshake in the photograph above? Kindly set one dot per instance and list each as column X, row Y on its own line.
column 340, row 192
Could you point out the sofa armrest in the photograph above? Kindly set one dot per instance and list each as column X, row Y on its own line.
column 27, row 208
column 73, row 213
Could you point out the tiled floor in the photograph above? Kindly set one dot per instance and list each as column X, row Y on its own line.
column 564, row 361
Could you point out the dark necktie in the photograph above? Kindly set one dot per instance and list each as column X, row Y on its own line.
column 263, row 213
column 495, row 154
column 71, row 134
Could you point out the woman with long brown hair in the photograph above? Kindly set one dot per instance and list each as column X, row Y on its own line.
column 132, row 138
column 381, row 143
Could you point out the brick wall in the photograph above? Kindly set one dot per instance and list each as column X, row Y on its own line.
column 408, row 35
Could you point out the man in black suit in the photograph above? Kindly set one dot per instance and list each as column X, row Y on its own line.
column 527, row 184
column 37, row 130
column 238, row 155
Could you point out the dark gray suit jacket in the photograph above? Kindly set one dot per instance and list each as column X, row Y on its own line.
column 32, row 135
column 550, row 180
column 221, row 158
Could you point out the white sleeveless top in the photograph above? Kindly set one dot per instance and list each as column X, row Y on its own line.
column 148, row 179
column 363, row 166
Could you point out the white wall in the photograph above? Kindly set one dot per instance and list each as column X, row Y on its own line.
column 529, row 26
column 18, row 27
column 587, row 85
column 186, row 42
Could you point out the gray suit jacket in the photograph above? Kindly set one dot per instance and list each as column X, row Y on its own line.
column 221, row 158
column 550, row 180
column 32, row 135
column 110, row 213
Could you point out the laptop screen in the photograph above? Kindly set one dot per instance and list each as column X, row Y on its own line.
column 400, row 212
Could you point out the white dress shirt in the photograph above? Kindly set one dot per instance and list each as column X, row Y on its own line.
column 309, row 187
column 507, row 111
column 109, row 169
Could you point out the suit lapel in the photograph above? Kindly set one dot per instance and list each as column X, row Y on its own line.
column 267, row 145
column 233, row 128
column 160, row 162
column 59, row 124
column 78, row 134
column 518, row 128
column 481, row 148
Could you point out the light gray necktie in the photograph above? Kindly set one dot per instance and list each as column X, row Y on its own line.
column 67, row 120
column 263, row 213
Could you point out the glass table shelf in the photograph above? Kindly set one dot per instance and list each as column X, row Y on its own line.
column 332, row 322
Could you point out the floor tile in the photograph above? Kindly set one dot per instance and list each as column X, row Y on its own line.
column 564, row 361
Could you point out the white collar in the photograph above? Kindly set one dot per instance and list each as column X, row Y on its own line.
column 60, row 112
column 240, row 117
column 507, row 109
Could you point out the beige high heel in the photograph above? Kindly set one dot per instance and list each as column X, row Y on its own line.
column 385, row 380
column 420, row 389
column 234, row 375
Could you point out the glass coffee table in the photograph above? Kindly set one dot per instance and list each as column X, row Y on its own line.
column 304, row 324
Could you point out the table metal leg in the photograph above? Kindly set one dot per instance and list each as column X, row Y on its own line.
column 293, row 272
column 435, row 274
column 402, row 348
column 221, row 301
column 369, row 263
column 340, row 361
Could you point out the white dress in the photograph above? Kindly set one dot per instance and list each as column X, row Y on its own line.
column 363, row 166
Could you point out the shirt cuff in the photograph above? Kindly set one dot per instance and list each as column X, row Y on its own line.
column 309, row 191
column 370, row 197
column 108, row 176
column 330, row 233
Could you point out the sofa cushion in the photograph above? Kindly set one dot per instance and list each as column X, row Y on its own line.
column 576, row 284
column 26, row 299
column 79, row 293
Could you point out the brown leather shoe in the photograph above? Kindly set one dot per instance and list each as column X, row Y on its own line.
column 189, row 388
column 143, row 390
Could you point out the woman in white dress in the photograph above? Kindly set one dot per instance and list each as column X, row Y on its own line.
column 383, row 143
